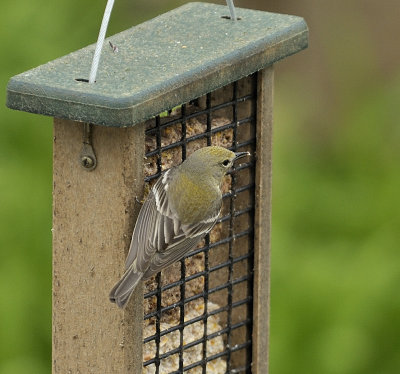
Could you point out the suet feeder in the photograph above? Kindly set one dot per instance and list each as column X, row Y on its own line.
column 186, row 79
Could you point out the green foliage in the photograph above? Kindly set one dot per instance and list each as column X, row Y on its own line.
column 335, row 237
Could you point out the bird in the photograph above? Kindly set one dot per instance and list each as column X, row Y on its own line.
column 181, row 208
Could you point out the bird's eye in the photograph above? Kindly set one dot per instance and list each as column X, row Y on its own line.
column 226, row 162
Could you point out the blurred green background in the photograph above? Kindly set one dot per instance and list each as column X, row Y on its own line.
column 336, row 190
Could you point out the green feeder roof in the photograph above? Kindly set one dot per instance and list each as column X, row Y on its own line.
column 160, row 64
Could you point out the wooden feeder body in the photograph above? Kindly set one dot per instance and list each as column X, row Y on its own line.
column 212, row 80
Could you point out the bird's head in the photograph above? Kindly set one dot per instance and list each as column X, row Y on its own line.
column 211, row 162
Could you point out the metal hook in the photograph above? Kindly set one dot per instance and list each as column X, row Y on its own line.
column 87, row 157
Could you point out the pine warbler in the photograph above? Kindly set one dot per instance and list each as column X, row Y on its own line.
column 182, row 207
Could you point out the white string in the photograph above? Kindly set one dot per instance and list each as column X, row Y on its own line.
column 103, row 30
column 100, row 41
column 232, row 9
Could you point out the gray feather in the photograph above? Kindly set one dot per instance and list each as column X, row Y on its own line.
column 163, row 259
column 123, row 290
column 143, row 229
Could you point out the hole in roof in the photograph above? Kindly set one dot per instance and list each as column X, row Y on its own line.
column 228, row 17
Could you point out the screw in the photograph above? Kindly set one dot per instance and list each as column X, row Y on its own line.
column 87, row 162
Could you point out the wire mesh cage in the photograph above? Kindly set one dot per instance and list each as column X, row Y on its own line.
column 198, row 312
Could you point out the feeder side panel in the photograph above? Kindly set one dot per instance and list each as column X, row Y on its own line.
column 262, row 222
column 93, row 217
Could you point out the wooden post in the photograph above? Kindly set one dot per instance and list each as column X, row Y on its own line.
column 262, row 221
column 93, row 217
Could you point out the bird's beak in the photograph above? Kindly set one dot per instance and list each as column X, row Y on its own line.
column 240, row 155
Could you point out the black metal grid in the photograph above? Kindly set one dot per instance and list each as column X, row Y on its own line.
column 231, row 298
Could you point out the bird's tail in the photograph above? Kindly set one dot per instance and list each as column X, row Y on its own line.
column 122, row 291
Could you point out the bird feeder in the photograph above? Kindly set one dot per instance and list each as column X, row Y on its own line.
column 189, row 78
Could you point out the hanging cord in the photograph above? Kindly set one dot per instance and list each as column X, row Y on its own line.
column 103, row 30
column 100, row 41
column 232, row 9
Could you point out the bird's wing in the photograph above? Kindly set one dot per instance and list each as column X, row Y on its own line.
column 159, row 238
column 145, row 235
column 189, row 236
